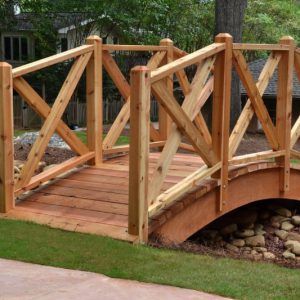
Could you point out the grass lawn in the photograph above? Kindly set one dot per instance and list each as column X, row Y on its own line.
column 81, row 134
column 232, row 278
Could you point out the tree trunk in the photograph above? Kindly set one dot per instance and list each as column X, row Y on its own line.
column 229, row 15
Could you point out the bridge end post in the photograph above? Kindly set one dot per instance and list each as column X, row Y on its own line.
column 164, row 119
column 221, row 112
column 6, row 141
column 94, row 100
column 140, row 88
column 284, row 110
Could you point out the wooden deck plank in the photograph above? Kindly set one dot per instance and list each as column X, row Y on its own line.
column 75, row 213
column 82, row 203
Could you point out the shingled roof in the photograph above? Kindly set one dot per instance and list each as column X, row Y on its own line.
column 271, row 91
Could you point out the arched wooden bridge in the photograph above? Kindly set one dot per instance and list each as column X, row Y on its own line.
column 170, row 181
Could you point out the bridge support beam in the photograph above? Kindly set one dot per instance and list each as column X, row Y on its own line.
column 284, row 110
column 139, row 153
column 221, row 112
column 6, row 139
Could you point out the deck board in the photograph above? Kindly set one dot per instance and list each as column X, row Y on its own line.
column 95, row 199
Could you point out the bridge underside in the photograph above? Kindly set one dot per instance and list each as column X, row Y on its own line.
column 199, row 208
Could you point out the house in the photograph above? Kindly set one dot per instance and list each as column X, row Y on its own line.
column 18, row 45
column 270, row 94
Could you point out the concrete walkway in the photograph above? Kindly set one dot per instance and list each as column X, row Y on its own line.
column 28, row 281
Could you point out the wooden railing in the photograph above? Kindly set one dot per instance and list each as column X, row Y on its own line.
column 218, row 147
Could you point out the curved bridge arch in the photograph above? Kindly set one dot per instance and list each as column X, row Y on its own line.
column 193, row 212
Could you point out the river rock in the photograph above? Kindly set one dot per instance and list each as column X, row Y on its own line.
column 231, row 228
column 294, row 236
column 255, row 241
column 269, row 255
column 232, row 248
column 258, row 256
column 276, row 239
column 296, row 248
column 279, row 219
column 296, row 220
column 238, row 242
column 290, row 243
column 244, row 233
column 282, row 234
column 275, row 224
column 286, row 225
column 282, row 211
column 289, row 255
column 260, row 249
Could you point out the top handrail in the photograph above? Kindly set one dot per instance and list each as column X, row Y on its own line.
column 186, row 61
column 110, row 47
column 51, row 60
column 260, row 47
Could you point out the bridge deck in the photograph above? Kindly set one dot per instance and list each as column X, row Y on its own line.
column 94, row 199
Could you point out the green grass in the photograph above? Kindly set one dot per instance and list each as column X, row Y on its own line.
column 232, row 278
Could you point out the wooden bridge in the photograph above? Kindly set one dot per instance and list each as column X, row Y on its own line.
column 157, row 188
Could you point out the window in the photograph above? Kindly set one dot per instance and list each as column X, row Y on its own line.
column 15, row 48
column 64, row 44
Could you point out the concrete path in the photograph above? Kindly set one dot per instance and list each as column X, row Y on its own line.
column 34, row 282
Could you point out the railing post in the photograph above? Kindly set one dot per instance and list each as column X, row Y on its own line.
column 284, row 109
column 221, row 112
column 165, row 121
column 6, row 140
column 94, row 100
column 139, row 152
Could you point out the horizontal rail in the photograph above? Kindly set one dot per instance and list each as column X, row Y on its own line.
column 51, row 60
column 262, row 47
column 186, row 61
column 125, row 148
column 55, row 171
column 108, row 47
column 254, row 157
column 173, row 193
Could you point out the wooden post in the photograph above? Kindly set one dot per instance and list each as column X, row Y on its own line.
column 284, row 109
column 165, row 121
column 221, row 112
column 94, row 100
column 6, row 141
column 139, row 152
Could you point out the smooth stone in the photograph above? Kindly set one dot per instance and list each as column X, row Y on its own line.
column 282, row 211
column 232, row 248
column 279, row 219
column 290, row 243
column 269, row 255
column 296, row 220
column 275, row 224
column 276, row 239
column 287, row 226
column 282, row 234
column 258, row 256
column 253, row 252
column 289, row 255
column 255, row 241
column 238, row 243
column 244, row 233
column 260, row 249
column 246, row 248
column 294, row 236
column 296, row 248
column 229, row 229
column 259, row 227
column 260, row 232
